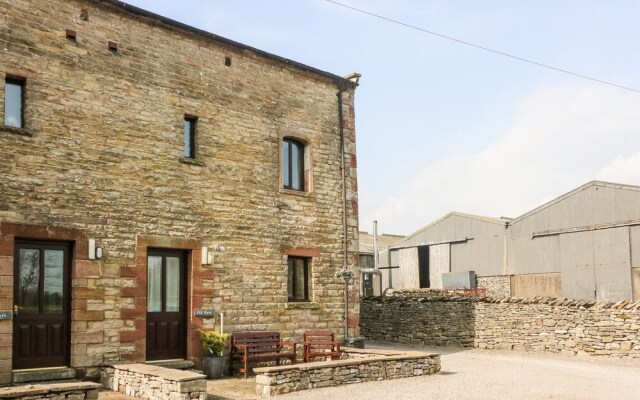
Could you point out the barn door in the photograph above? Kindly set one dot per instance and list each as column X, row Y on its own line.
column 439, row 263
column 612, row 264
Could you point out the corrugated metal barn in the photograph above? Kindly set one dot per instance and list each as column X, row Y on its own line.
column 584, row 244
column 456, row 242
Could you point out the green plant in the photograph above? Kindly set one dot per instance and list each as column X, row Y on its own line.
column 213, row 342
column 345, row 272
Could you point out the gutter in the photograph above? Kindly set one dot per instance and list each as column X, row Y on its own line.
column 585, row 228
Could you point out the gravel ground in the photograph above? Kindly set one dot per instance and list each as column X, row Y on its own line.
column 497, row 375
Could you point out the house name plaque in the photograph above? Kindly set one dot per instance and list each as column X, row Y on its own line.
column 203, row 313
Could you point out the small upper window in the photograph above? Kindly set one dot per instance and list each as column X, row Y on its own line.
column 293, row 164
column 13, row 102
column 190, row 137
column 298, row 279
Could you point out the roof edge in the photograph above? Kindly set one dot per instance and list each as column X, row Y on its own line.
column 491, row 220
column 211, row 36
column 573, row 192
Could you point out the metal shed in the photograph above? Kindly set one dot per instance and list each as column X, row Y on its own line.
column 457, row 242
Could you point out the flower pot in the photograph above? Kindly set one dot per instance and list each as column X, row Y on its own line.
column 213, row 367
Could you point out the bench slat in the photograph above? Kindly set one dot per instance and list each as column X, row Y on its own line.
column 261, row 346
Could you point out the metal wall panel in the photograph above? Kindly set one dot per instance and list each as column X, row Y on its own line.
column 578, row 271
column 526, row 255
column 635, row 246
column 439, row 263
column 612, row 264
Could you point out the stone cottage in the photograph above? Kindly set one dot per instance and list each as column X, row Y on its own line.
column 153, row 176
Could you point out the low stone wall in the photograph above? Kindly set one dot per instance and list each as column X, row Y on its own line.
column 52, row 391
column 559, row 326
column 495, row 286
column 154, row 383
column 539, row 324
column 359, row 366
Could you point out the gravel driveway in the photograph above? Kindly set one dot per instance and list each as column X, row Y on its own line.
column 497, row 375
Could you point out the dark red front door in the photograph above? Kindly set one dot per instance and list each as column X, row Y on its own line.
column 41, row 326
column 166, row 303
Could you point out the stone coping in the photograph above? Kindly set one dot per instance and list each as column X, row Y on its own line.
column 377, row 355
column 34, row 390
column 430, row 295
column 161, row 372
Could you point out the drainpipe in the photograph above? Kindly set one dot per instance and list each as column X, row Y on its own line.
column 376, row 256
column 353, row 79
column 345, row 241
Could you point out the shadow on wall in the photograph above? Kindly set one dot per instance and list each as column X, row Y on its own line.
column 425, row 321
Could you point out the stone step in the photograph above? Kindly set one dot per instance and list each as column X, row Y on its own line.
column 44, row 374
column 71, row 390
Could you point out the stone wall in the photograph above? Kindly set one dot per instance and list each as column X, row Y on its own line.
column 154, row 383
column 559, row 326
column 100, row 157
column 495, row 286
column 436, row 321
column 538, row 324
column 364, row 366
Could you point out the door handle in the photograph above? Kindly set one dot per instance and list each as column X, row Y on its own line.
column 16, row 310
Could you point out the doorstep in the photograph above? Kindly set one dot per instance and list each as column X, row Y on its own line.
column 42, row 374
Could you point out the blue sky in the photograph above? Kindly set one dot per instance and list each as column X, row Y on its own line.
column 445, row 127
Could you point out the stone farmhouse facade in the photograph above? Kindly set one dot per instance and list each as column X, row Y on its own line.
column 153, row 176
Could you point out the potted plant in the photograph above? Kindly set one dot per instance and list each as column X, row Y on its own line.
column 213, row 344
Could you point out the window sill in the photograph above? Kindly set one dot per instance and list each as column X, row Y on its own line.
column 296, row 192
column 293, row 305
column 17, row 131
column 192, row 161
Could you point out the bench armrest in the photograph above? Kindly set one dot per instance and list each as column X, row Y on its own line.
column 239, row 346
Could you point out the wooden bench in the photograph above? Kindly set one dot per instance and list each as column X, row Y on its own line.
column 258, row 346
column 320, row 344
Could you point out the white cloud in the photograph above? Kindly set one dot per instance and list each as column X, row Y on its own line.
column 562, row 137
column 622, row 170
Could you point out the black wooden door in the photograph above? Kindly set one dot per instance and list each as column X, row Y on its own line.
column 41, row 326
column 166, row 303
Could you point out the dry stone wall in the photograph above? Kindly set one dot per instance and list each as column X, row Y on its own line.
column 559, row 326
column 420, row 320
column 495, row 286
column 539, row 324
